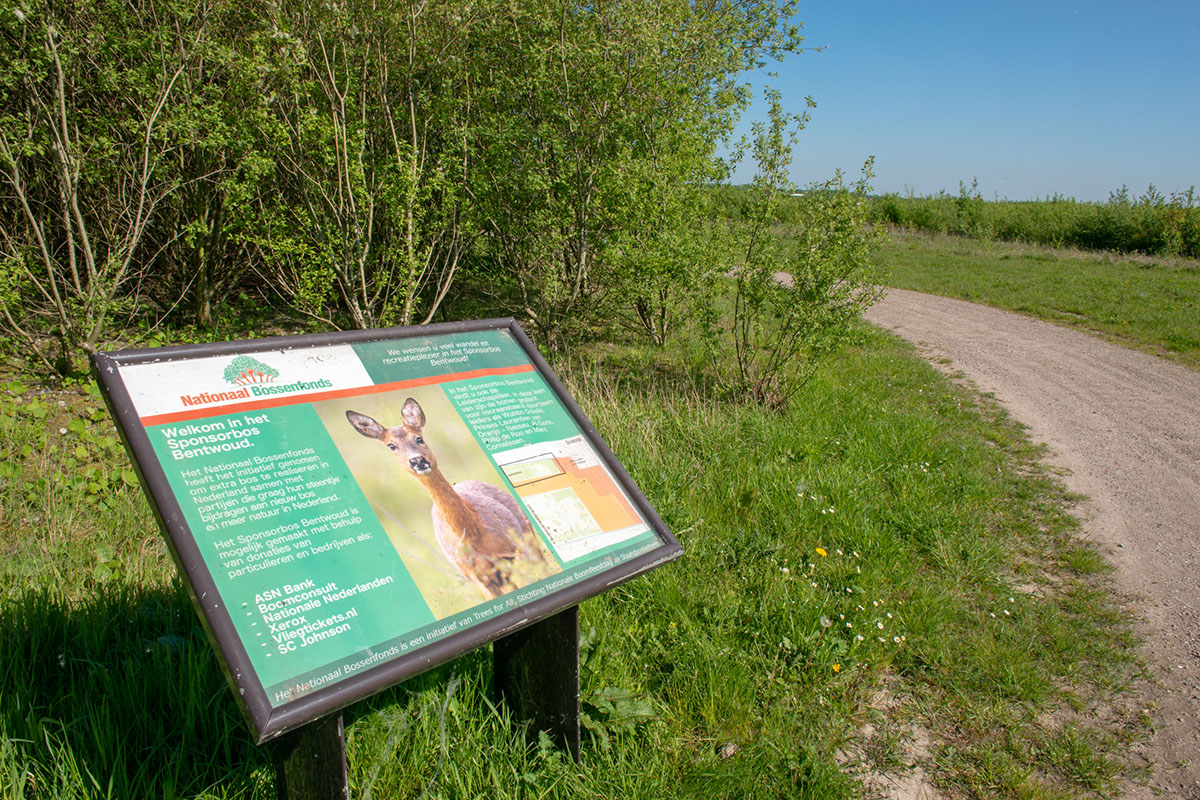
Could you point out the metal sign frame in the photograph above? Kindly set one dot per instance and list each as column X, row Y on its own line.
column 265, row 720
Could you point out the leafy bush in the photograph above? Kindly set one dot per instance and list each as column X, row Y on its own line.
column 353, row 160
column 802, row 284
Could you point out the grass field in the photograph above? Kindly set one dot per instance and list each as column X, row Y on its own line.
column 887, row 531
column 1151, row 303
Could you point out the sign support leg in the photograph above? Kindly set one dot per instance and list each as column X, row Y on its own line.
column 310, row 763
column 537, row 675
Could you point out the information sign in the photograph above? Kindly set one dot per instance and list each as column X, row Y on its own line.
column 351, row 509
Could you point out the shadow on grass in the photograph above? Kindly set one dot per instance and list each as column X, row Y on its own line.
column 641, row 371
column 119, row 696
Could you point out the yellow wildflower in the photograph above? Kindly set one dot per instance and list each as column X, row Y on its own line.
column 821, row 552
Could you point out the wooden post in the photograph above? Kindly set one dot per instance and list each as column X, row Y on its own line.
column 310, row 763
column 537, row 675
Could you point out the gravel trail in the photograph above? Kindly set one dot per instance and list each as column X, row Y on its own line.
column 1127, row 426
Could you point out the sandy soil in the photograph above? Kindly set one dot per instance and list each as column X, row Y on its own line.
column 1127, row 426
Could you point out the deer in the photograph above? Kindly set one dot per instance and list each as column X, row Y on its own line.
column 477, row 525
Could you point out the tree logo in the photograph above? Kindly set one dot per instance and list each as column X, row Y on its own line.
column 243, row 371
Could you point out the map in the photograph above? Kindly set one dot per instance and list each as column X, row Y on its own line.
column 572, row 495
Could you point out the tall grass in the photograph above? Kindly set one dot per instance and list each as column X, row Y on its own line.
column 886, row 527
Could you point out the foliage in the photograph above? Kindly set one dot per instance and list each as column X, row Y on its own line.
column 590, row 154
column 354, row 160
column 372, row 104
column 36, row 463
column 226, row 138
column 796, row 302
column 1152, row 224
column 84, row 161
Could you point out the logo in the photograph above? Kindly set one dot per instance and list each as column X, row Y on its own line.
column 253, row 380
column 243, row 371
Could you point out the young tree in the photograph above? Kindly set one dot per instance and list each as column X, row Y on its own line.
column 373, row 160
column 588, row 152
column 224, row 143
column 86, row 88
column 801, row 285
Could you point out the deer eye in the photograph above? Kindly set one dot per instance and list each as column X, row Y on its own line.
column 419, row 440
column 391, row 446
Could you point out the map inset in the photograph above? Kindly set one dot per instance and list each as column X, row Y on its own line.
column 563, row 512
column 572, row 496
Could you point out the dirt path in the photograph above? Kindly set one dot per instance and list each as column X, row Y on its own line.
column 1127, row 426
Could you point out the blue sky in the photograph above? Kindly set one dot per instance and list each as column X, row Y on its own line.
column 1029, row 98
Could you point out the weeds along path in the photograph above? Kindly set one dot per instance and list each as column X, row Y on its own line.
column 1127, row 426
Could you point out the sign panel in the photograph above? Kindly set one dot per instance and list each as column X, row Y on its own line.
column 352, row 509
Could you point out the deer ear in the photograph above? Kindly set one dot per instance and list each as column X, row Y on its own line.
column 365, row 425
column 414, row 417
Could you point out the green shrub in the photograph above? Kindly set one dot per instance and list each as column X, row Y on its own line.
column 792, row 305
column 1152, row 224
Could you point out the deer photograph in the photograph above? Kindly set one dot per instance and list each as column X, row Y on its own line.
column 478, row 526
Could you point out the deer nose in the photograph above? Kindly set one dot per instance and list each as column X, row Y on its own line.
column 419, row 464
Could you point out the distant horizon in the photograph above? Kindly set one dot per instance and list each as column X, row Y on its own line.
column 1031, row 100
column 1133, row 195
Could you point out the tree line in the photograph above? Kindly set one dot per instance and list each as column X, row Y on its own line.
column 355, row 159
column 1152, row 223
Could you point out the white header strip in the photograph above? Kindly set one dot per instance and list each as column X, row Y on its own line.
column 210, row 383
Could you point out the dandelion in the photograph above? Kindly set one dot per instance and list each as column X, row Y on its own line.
column 837, row 667
column 825, row 622
column 822, row 552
